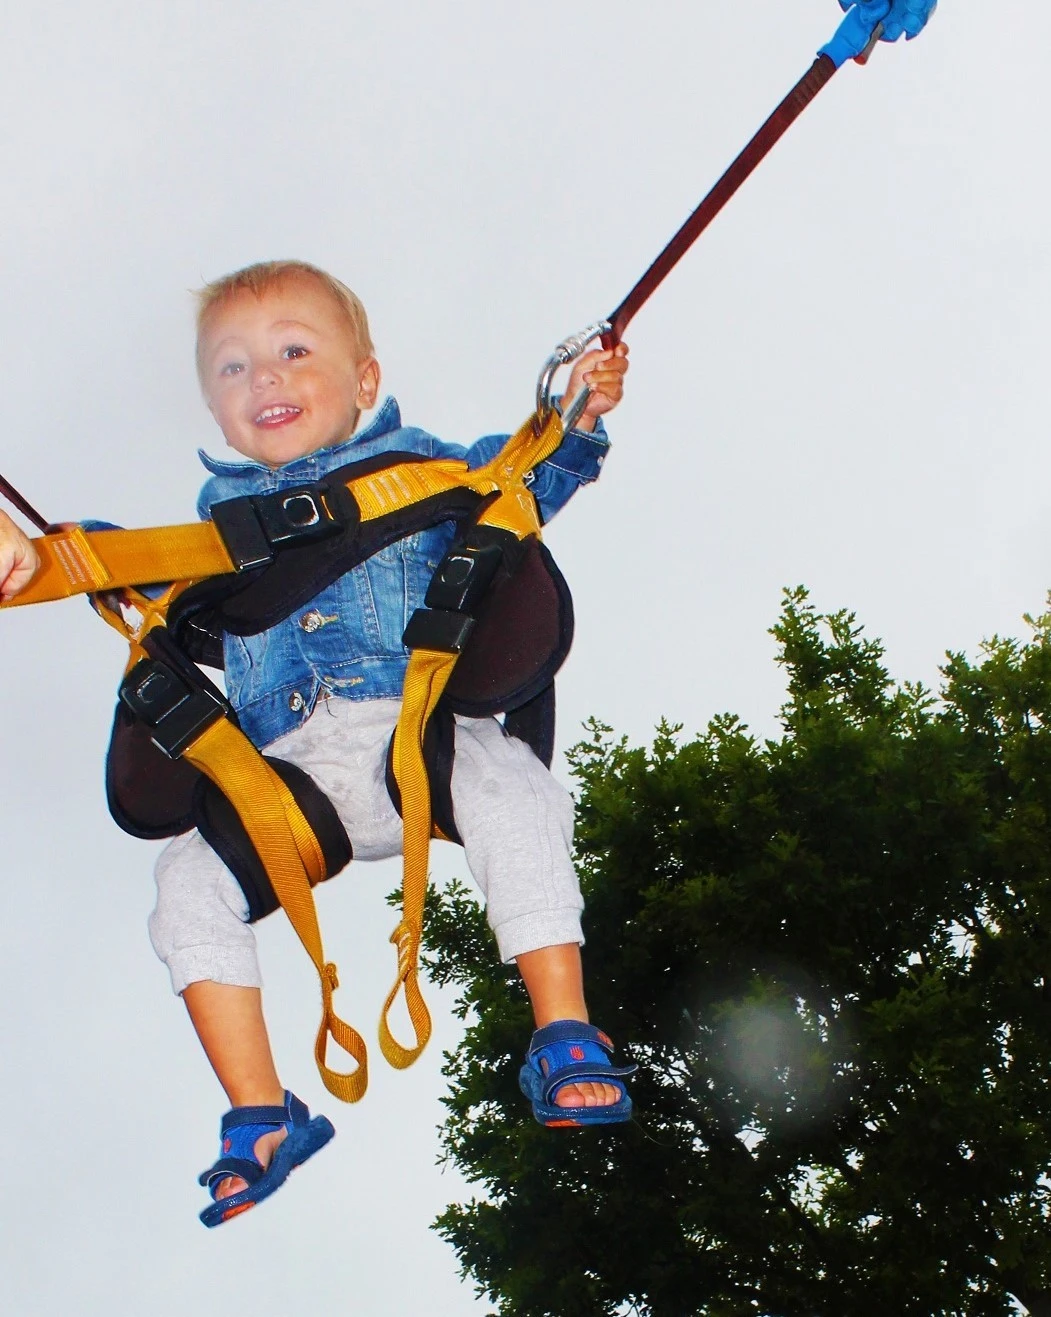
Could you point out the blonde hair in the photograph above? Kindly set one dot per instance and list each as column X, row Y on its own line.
column 263, row 276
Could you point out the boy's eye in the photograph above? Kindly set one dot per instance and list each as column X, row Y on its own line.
column 231, row 368
column 293, row 351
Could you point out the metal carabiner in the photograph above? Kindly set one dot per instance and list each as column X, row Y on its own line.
column 568, row 350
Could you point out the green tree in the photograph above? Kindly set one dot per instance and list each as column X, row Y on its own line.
column 829, row 954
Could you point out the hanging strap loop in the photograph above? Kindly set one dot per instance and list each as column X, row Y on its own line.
column 294, row 862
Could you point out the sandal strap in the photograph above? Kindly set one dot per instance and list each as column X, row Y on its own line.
column 240, row 1129
column 568, row 1051
column 569, row 1031
column 293, row 1113
column 582, row 1071
column 249, row 1171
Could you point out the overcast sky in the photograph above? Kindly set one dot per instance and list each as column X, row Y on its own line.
column 841, row 386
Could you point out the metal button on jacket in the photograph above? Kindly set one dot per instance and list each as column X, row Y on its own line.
column 312, row 621
column 296, row 702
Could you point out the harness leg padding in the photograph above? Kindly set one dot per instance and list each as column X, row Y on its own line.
column 221, row 827
column 534, row 723
column 149, row 795
column 523, row 632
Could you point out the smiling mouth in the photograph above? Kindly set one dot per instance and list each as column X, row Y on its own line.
column 279, row 414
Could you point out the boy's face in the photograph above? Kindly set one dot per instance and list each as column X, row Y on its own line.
column 283, row 373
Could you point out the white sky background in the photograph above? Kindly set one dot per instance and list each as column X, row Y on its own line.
column 843, row 385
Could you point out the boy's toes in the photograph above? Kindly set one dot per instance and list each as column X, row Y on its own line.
column 233, row 1184
column 588, row 1094
column 265, row 1147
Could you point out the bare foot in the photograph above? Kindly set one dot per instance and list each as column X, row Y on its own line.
column 265, row 1147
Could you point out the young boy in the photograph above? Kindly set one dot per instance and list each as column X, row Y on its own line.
column 286, row 367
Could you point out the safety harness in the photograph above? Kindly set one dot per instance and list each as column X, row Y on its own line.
column 496, row 604
column 496, row 625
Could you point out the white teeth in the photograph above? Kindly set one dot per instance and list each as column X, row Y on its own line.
column 268, row 413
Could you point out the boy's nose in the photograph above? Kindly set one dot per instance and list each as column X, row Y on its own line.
column 265, row 375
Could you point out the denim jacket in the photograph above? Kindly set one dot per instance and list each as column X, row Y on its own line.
column 348, row 642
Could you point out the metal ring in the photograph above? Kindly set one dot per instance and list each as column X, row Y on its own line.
column 568, row 350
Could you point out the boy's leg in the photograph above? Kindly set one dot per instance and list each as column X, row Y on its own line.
column 554, row 979
column 516, row 822
column 198, row 929
column 229, row 1022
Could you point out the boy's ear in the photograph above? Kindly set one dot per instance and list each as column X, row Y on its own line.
column 369, row 383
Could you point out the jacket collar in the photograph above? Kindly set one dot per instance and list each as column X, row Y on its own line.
column 388, row 418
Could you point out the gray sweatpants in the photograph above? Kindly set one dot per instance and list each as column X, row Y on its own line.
column 516, row 822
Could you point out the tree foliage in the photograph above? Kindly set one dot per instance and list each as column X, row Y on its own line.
column 829, row 953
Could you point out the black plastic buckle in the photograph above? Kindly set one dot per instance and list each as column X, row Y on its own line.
column 456, row 589
column 175, row 711
column 438, row 628
column 463, row 576
column 255, row 527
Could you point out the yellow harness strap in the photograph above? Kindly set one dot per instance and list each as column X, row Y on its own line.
column 76, row 561
column 400, row 486
column 428, row 672
column 293, row 860
column 425, row 680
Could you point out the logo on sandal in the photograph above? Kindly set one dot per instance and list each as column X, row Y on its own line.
column 577, row 1053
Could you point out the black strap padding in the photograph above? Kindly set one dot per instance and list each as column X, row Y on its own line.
column 523, row 633
column 221, row 827
column 534, row 723
column 439, row 746
column 150, row 795
column 247, row 603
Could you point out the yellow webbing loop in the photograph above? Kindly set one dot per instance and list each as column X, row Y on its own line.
column 292, row 857
column 425, row 680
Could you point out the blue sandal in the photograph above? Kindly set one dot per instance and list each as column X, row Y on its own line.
column 238, row 1133
column 566, row 1052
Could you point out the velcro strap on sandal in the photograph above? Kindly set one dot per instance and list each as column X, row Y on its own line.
column 294, row 1112
column 249, row 1171
column 570, row 1050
